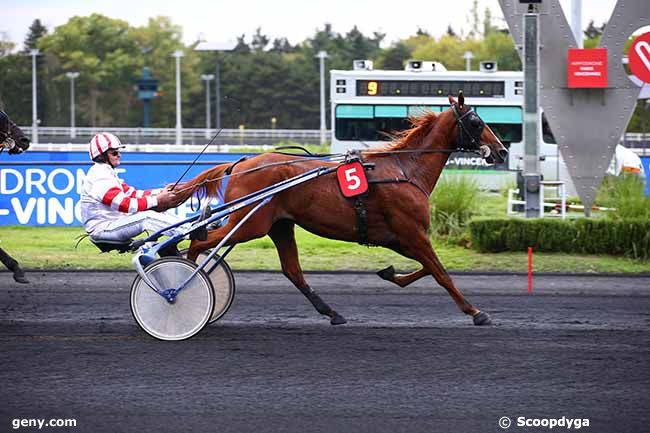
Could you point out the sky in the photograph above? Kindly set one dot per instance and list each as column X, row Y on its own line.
column 224, row 20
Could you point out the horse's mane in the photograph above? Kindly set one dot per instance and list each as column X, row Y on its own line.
column 421, row 125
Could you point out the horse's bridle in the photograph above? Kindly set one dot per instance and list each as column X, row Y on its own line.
column 470, row 128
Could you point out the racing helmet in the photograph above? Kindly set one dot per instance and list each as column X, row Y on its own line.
column 102, row 142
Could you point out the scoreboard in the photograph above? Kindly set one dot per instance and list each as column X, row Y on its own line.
column 410, row 88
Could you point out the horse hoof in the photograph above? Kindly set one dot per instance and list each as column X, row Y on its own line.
column 338, row 320
column 482, row 319
column 387, row 274
column 21, row 279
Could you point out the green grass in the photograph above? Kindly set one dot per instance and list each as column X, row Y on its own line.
column 54, row 248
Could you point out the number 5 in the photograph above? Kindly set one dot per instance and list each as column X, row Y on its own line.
column 351, row 176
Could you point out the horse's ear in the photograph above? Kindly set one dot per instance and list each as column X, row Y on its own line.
column 461, row 99
column 452, row 100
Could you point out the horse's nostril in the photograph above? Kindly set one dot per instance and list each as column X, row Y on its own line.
column 503, row 154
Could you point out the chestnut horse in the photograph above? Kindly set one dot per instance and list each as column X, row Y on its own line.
column 396, row 205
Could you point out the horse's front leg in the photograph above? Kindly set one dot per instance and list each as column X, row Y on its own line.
column 421, row 250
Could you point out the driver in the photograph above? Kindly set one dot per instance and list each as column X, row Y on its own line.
column 111, row 210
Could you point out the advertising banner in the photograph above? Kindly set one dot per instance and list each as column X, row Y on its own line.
column 587, row 68
column 42, row 188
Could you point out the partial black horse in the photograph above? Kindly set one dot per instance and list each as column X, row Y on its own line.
column 13, row 139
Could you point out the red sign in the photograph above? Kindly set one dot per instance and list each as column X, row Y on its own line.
column 587, row 68
column 639, row 57
column 352, row 179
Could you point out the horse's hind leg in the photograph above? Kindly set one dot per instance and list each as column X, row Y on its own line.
column 282, row 234
column 420, row 249
column 402, row 280
column 13, row 266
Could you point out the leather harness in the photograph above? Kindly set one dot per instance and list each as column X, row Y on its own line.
column 470, row 127
column 359, row 204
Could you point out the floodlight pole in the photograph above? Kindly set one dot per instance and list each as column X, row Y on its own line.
column 207, row 78
column 72, row 76
column 34, row 53
column 468, row 56
column 217, row 87
column 322, row 55
column 203, row 45
column 179, row 128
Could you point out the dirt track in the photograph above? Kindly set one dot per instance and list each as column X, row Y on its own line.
column 579, row 347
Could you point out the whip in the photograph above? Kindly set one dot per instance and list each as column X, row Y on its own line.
column 197, row 157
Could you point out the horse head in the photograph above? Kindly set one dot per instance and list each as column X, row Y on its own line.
column 11, row 136
column 472, row 134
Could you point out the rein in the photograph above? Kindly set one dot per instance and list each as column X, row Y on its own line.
column 460, row 119
column 250, row 170
column 389, row 152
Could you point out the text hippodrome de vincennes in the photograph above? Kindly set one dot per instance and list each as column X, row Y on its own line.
column 42, row 196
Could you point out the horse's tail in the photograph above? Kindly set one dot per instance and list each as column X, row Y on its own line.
column 209, row 181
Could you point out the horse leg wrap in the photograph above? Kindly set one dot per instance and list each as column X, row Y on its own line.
column 8, row 261
column 322, row 307
column 387, row 274
column 362, row 221
column 318, row 303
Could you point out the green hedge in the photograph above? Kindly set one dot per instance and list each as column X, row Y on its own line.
column 585, row 236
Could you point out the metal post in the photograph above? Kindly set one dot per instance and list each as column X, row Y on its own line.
column 532, row 175
column 217, row 84
column 322, row 55
column 576, row 21
column 34, row 53
column 72, row 76
column 468, row 56
column 179, row 128
column 146, row 110
column 216, row 47
column 207, row 78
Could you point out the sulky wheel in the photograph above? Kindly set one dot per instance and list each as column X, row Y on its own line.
column 189, row 312
column 223, row 284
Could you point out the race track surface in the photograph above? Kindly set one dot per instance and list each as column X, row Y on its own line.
column 407, row 361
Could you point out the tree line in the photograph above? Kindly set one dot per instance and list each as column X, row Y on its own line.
column 261, row 79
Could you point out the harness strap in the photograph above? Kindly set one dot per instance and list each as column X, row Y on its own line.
column 408, row 179
column 232, row 166
column 362, row 220
column 399, row 180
